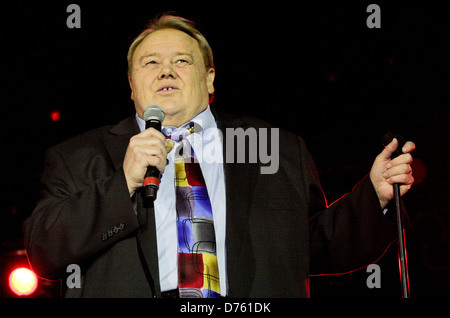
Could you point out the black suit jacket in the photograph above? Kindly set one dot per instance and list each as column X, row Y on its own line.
column 279, row 229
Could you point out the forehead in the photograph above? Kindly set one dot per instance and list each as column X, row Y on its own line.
column 166, row 41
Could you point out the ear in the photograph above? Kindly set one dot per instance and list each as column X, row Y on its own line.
column 211, row 74
column 131, row 86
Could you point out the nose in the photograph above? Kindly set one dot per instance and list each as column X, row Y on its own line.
column 167, row 72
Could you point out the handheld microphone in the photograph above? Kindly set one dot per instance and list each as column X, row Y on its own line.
column 153, row 116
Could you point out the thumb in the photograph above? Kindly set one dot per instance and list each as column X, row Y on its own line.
column 389, row 150
column 169, row 145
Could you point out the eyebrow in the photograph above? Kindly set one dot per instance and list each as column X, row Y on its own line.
column 157, row 54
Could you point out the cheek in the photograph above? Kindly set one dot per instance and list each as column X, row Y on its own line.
column 194, row 81
column 142, row 79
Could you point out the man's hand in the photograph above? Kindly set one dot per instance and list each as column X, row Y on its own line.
column 149, row 148
column 385, row 172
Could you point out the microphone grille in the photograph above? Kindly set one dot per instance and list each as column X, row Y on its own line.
column 154, row 112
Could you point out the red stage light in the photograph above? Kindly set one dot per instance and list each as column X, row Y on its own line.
column 332, row 77
column 55, row 115
column 23, row 281
column 419, row 171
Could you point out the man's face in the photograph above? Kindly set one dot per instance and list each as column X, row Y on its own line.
column 169, row 71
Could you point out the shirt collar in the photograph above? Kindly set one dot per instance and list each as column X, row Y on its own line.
column 205, row 119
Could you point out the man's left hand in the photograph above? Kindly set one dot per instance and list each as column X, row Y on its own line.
column 386, row 171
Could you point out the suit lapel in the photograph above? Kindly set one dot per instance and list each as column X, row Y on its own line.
column 117, row 139
column 147, row 245
column 239, row 185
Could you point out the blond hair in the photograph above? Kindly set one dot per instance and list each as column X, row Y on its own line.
column 167, row 21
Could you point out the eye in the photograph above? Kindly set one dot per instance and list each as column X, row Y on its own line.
column 150, row 63
column 182, row 62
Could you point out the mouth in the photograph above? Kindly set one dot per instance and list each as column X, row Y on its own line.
column 167, row 89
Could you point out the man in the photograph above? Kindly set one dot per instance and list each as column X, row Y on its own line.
column 271, row 230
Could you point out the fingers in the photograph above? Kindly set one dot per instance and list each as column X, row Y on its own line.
column 408, row 147
column 386, row 171
column 152, row 133
column 149, row 148
column 392, row 146
column 151, row 156
column 149, row 138
column 398, row 170
column 387, row 152
column 399, row 174
column 169, row 145
column 404, row 179
column 149, row 143
column 406, row 158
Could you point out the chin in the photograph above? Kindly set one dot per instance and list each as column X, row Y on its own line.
column 170, row 108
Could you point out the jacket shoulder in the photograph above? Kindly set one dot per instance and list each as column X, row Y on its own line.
column 95, row 137
column 226, row 120
column 82, row 141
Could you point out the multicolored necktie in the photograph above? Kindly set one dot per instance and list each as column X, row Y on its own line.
column 198, row 274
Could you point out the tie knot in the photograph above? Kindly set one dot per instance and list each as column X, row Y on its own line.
column 178, row 134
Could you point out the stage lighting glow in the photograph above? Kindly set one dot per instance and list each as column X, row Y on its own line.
column 23, row 281
column 55, row 115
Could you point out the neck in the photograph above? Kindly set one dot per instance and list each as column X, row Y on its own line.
column 178, row 120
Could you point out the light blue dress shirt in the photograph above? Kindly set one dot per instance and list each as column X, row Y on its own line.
column 208, row 149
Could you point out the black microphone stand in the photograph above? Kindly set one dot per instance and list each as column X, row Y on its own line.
column 402, row 261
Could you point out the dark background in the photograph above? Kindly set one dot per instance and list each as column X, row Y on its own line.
column 315, row 69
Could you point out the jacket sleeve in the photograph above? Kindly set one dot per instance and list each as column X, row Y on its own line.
column 349, row 234
column 74, row 221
